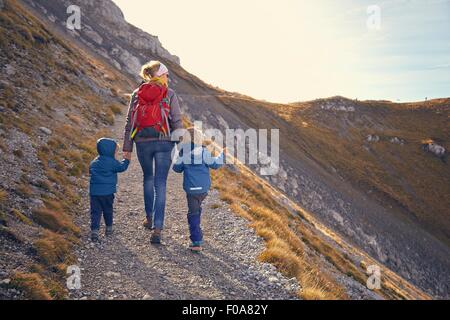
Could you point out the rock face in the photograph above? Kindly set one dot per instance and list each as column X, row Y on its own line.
column 435, row 149
column 396, row 140
column 338, row 104
column 105, row 30
column 373, row 138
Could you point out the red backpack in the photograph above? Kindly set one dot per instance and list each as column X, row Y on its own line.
column 151, row 110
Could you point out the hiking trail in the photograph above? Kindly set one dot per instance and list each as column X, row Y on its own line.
column 127, row 266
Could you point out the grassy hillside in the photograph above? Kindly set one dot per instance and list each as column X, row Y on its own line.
column 394, row 170
column 298, row 245
column 55, row 101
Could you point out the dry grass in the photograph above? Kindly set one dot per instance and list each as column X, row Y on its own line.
column 215, row 206
column 341, row 262
column 74, row 118
column 313, row 294
column 21, row 217
column 57, row 221
column 11, row 234
column 116, row 109
column 53, row 204
column 3, row 219
column 22, row 126
column 54, row 250
column 32, row 284
column 284, row 248
column 3, row 196
column 79, row 163
column 24, row 190
column 55, row 176
column 3, row 146
column 227, row 197
column 45, row 185
column 55, row 289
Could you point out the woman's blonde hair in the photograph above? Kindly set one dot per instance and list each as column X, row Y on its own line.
column 149, row 69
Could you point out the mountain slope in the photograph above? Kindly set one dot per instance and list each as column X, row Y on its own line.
column 325, row 172
column 54, row 102
column 379, row 148
column 324, row 152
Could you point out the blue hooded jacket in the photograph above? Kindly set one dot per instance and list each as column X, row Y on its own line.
column 196, row 165
column 104, row 169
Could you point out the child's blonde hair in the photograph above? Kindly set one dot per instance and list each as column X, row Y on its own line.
column 193, row 135
column 196, row 136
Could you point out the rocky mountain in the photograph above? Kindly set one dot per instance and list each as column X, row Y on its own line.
column 105, row 30
column 373, row 175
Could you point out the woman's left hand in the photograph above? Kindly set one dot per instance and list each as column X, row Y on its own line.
column 127, row 156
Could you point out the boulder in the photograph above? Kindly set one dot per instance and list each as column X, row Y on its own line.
column 396, row 140
column 45, row 130
column 435, row 149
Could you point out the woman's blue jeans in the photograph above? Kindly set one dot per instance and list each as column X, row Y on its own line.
column 159, row 155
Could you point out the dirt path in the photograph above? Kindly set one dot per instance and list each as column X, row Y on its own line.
column 126, row 266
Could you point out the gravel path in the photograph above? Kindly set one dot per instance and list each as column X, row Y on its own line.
column 126, row 266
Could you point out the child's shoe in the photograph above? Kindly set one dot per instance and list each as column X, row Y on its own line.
column 94, row 236
column 196, row 247
column 156, row 237
column 109, row 231
column 148, row 224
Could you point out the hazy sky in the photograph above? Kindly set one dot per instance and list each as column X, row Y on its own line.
column 295, row 50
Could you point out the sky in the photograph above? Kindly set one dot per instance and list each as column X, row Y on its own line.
column 298, row 50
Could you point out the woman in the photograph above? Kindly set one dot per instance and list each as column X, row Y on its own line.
column 153, row 143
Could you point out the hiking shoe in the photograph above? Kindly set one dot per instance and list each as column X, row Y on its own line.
column 156, row 237
column 148, row 224
column 196, row 247
column 109, row 231
column 94, row 236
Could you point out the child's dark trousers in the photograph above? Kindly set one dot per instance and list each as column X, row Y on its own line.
column 194, row 216
column 101, row 205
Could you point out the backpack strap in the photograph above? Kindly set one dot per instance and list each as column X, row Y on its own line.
column 133, row 105
column 165, row 117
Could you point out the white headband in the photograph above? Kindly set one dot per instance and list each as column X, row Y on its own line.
column 162, row 71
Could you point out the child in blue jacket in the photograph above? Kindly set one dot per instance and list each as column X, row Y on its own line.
column 195, row 162
column 103, row 185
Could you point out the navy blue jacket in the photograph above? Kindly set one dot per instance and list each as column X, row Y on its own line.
column 104, row 169
column 195, row 162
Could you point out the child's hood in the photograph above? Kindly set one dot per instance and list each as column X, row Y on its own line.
column 106, row 147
